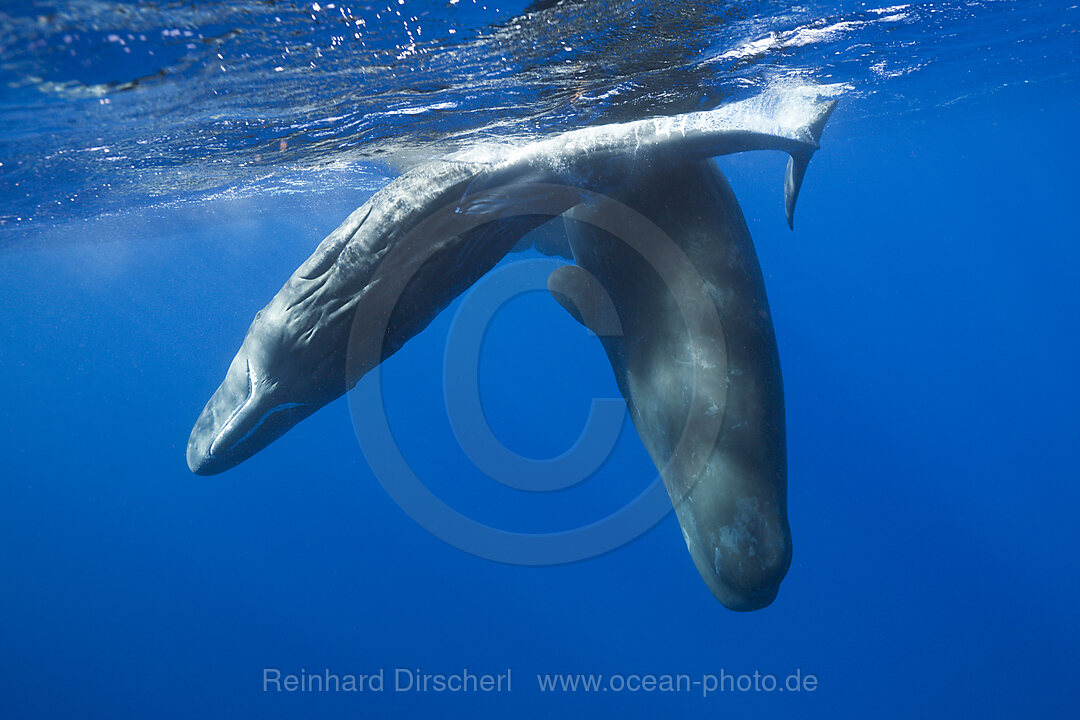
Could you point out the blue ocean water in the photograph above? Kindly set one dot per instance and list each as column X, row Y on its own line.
column 161, row 177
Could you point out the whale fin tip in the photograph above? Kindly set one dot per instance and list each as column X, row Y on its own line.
column 799, row 160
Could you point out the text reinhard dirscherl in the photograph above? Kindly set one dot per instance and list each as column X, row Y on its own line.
column 417, row 680
column 400, row 680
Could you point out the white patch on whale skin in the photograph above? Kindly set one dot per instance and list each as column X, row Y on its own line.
column 738, row 536
column 702, row 360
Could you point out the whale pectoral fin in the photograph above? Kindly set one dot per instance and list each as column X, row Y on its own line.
column 569, row 286
column 582, row 295
column 800, row 159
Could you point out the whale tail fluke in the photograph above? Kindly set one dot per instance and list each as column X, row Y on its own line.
column 786, row 117
column 800, row 159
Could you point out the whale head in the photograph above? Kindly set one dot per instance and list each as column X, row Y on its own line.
column 285, row 370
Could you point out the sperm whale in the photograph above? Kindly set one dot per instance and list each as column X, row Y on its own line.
column 715, row 430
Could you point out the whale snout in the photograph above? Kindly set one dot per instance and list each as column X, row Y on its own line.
column 741, row 546
column 223, row 423
column 244, row 415
column 748, row 577
column 199, row 459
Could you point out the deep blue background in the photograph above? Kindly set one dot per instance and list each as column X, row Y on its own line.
column 926, row 311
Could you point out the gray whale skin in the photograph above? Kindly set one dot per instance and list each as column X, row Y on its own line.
column 656, row 235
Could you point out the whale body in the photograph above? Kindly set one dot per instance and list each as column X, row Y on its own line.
column 695, row 356
column 696, row 362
